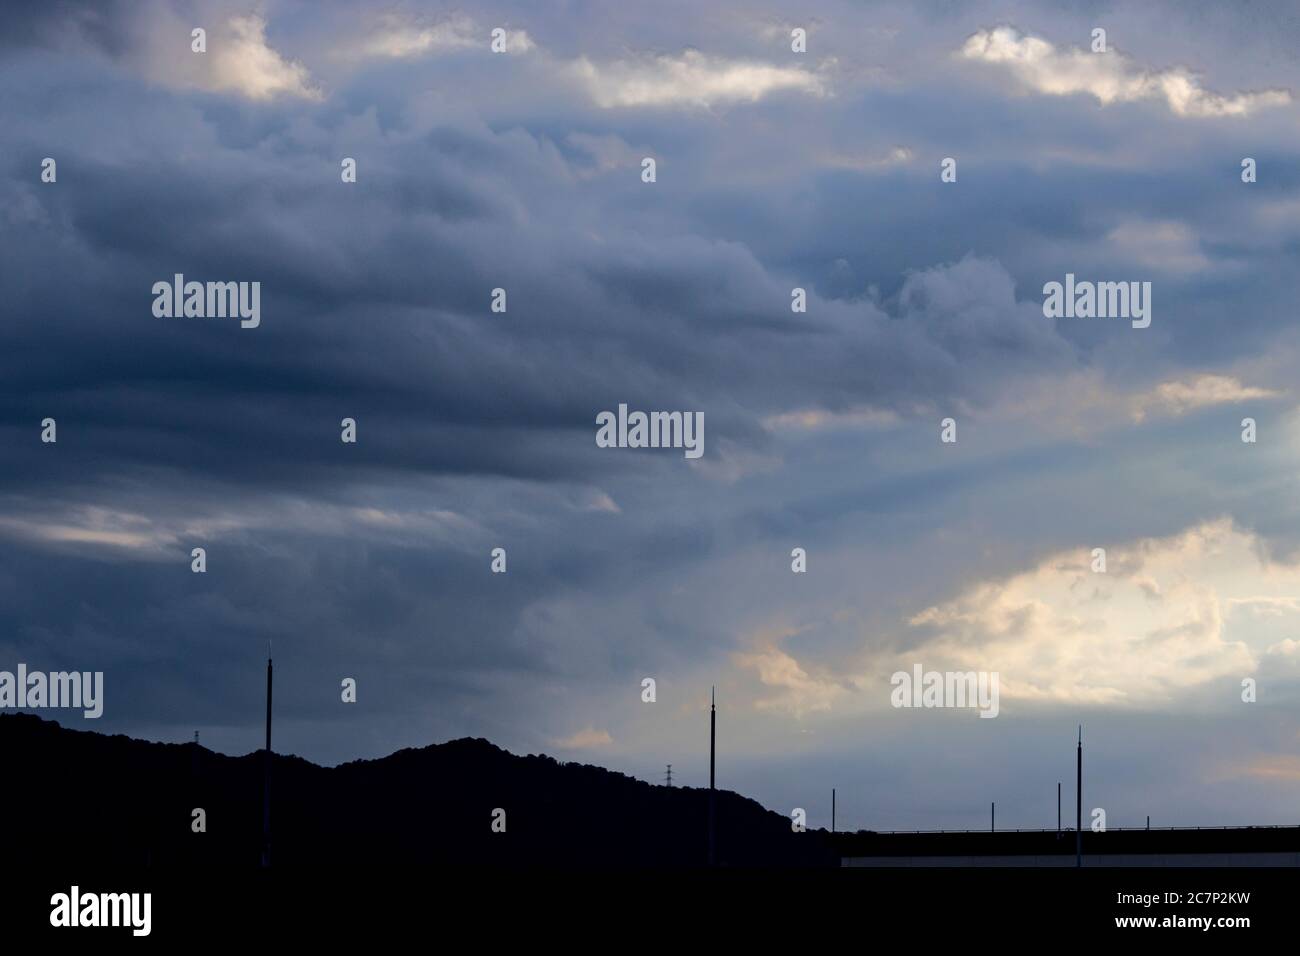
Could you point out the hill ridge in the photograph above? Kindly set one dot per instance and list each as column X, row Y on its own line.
column 418, row 805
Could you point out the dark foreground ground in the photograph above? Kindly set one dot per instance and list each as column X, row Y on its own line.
column 375, row 851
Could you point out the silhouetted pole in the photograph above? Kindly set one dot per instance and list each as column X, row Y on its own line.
column 1058, row 809
column 195, row 790
column 832, row 809
column 1148, row 821
column 713, row 738
column 266, row 778
column 993, row 817
column 1078, row 803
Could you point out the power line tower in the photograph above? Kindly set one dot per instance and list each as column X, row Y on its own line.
column 668, row 776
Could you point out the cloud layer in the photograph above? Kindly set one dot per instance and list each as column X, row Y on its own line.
column 777, row 171
column 1110, row 77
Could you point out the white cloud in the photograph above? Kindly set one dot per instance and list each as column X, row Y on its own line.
column 401, row 37
column 875, row 159
column 601, row 501
column 690, row 79
column 1168, row 615
column 796, row 692
column 238, row 59
column 1168, row 246
column 518, row 41
column 96, row 526
column 60, row 525
column 243, row 63
column 607, row 152
column 1110, row 77
column 1286, row 648
column 1181, row 396
column 1086, row 402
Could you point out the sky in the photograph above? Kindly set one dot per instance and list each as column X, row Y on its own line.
column 476, row 429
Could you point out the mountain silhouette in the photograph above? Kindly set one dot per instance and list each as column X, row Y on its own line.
column 113, row 800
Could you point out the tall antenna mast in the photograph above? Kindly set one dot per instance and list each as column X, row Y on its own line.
column 713, row 738
column 1078, row 803
column 668, row 777
column 266, row 762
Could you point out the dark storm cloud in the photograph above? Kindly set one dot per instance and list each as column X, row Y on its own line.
column 376, row 307
column 107, row 25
